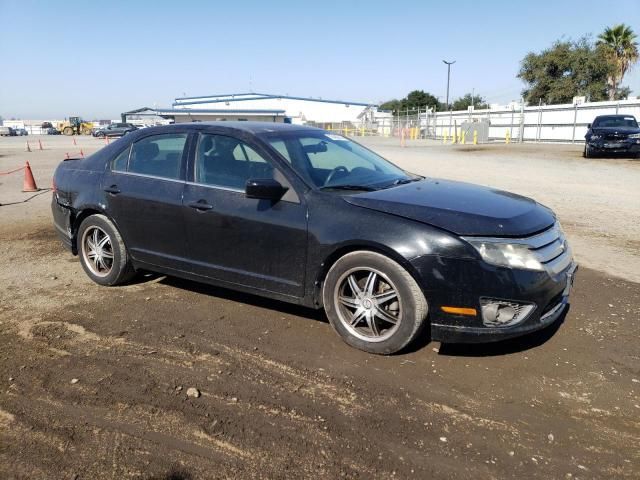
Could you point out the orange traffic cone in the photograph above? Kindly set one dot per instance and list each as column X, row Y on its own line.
column 40, row 144
column 81, row 153
column 68, row 156
column 74, row 142
column 29, row 184
column 28, row 149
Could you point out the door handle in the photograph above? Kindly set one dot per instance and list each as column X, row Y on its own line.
column 113, row 189
column 201, row 205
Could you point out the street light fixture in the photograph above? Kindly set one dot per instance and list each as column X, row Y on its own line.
column 448, row 77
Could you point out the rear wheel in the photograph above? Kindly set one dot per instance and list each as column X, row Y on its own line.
column 102, row 252
column 67, row 131
column 373, row 303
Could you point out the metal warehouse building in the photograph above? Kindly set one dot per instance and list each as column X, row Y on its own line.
column 299, row 110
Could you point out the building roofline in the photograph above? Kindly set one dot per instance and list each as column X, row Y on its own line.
column 263, row 96
column 179, row 111
column 220, row 96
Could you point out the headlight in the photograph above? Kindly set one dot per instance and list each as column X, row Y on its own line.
column 635, row 136
column 502, row 254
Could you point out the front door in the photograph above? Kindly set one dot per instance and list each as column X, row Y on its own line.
column 143, row 192
column 255, row 243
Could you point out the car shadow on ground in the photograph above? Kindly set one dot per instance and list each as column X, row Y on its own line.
column 245, row 298
column 505, row 347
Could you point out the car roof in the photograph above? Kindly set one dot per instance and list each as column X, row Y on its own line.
column 614, row 116
column 251, row 127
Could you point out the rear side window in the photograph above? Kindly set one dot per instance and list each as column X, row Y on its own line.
column 158, row 156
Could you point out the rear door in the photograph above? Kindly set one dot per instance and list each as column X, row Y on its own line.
column 143, row 191
column 240, row 240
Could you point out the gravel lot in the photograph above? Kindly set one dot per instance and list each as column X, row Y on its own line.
column 94, row 380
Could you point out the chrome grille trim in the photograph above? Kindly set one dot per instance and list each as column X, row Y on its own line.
column 553, row 250
column 560, row 263
column 533, row 242
column 549, row 247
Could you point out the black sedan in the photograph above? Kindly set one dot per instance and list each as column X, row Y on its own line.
column 114, row 130
column 613, row 134
column 305, row 216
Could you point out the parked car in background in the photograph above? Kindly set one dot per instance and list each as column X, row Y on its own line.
column 305, row 216
column 53, row 131
column 613, row 134
column 5, row 131
column 115, row 130
column 21, row 132
column 95, row 130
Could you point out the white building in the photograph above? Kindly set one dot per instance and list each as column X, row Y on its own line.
column 298, row 110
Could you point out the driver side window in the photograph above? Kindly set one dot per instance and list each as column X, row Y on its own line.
column 228, row 162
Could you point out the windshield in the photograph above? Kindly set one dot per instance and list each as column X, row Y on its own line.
column 615, row 122
column 331, row 161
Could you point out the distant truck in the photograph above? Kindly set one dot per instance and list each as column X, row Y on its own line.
column 7, row 132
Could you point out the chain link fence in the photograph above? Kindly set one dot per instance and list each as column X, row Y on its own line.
column 514, row 123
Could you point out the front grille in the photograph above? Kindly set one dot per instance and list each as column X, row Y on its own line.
column 551, row 249
column 615, row 137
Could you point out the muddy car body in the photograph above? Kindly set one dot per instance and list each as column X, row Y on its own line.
column 305, row 216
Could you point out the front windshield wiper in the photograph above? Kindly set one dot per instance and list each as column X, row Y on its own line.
column 364, row 188
column 403, row 181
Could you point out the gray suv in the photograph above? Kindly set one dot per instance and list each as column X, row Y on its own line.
column 115, row 130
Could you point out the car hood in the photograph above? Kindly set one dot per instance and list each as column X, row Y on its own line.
column 618, row 130
column 461, row 208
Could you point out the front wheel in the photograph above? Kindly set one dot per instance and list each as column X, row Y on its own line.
column 373, row 302
column 588, row 152
column 102, row 252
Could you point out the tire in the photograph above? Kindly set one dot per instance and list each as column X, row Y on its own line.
column 68, row 131
column 363, row 319
column 587, row 152
column 111, row 264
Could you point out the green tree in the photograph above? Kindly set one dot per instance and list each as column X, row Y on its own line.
column 391, row 105
column 463, row 103
column 621, row 50
column 414, row 100
column 567, row 69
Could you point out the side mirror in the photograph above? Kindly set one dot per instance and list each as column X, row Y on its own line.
column 588, row 125
column 264, row 189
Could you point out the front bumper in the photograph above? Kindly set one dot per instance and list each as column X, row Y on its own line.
column 617, row 147
column 462, row 282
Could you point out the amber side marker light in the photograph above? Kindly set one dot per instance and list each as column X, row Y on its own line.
column 459, row 310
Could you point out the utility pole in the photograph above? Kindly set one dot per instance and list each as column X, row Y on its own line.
column 448, row 77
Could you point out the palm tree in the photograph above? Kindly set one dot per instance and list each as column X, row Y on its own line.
column 622, row 49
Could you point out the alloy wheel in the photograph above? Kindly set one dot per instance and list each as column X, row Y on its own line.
column 368, row 304
column 97, row 251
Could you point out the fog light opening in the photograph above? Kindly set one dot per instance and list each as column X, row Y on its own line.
column 503, row 313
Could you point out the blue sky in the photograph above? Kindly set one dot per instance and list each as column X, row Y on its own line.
column 97, row 59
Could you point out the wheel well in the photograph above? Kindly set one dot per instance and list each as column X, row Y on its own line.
column 342, row 251
column 76, row 220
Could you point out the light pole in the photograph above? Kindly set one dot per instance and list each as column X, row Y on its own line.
column 448, row 77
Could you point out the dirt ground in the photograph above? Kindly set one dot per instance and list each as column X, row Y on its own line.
column 94, row 380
